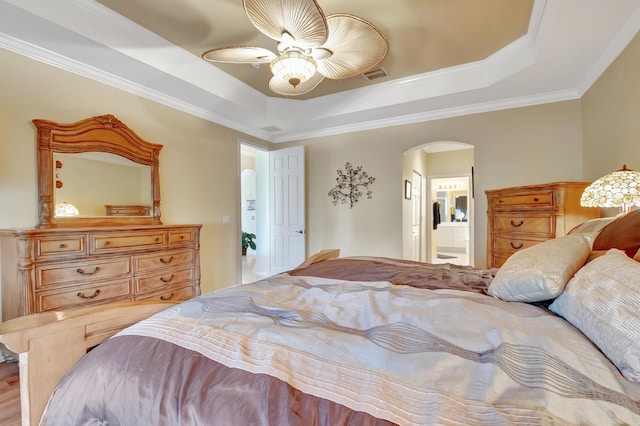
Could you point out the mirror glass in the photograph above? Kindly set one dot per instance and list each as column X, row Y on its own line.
column 90, row 181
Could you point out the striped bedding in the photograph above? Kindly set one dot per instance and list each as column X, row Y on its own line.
column 311, row 347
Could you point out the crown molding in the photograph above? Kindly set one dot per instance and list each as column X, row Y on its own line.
column 439, row 114
column 178, row 79
column 617, row 45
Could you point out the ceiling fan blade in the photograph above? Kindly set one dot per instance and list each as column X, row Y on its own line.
column 284, row 88
column 301, row 19
column 239, row 55
column 356, row 46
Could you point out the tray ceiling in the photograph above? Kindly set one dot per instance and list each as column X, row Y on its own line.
column 446, row 57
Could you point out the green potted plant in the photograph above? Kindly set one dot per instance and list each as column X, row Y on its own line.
column 248, row 241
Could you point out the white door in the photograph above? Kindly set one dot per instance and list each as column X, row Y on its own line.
column 416, row 226
column 286, row 208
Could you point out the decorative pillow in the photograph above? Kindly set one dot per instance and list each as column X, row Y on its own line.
column 591, row 228
column 540, row 272
column 622, row 233
column 602, row 300
column 595, row 254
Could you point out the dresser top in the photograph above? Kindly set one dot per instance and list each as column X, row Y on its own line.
column 94, row 229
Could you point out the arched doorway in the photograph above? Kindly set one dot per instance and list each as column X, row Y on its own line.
column 438, row 222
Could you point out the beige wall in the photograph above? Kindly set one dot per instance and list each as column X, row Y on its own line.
column 513, row 147
column 198, row 163
column 611, row 116
column 450, row 162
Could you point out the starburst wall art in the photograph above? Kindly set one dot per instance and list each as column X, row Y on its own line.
column 351, row 184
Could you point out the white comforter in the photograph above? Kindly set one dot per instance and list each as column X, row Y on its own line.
column 407, row 355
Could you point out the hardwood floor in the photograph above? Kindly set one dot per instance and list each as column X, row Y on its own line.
column 9, row 394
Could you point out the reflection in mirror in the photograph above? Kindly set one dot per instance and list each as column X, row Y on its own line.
column 93, row 180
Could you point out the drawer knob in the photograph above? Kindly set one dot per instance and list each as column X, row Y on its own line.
column 166, row 280
column 157, row 239
column 515, row 225
column 182, row 237
column 63, row 245
column 169, row 297
column 83, row 272
column 536, row 199
column 95, row 294
column 166, row 262
column 106, row 243
column 516, row 246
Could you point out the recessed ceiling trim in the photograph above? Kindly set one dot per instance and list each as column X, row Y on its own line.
column 102, row 25
column 181, row 64
column 476, row 75
column 31, row 49
column 617, row 45
column 233, row 104
column 524, row 101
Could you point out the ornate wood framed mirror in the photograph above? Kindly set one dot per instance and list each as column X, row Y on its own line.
column 96, row 172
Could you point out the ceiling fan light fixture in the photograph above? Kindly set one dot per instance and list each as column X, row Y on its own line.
column 293, row 67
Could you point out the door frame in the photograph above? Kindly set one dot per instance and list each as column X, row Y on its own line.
column 470, row 216
column 263, row 209
column 417, row 204
column 261, row 205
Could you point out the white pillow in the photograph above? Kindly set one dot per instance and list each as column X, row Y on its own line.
column 540, row 272
column 591, row 228
column 603, row 301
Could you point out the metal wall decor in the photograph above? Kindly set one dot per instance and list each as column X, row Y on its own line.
column 350, row 185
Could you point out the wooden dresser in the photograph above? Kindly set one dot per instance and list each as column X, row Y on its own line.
column 523, row 216
column 62, row 268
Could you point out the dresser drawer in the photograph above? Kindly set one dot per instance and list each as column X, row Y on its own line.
column 163, row 279
column 498, row 259
column 63, row 274
column 127, row 210
column 513, row 244
column 173, row 294
column 163, row 260
column 182, row 236
column 113, row 242
column 60, row 246
column 537, row 199
column 541, row 225
column 75, row 297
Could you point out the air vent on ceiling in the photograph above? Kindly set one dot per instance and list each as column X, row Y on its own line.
column 271, row 129
column 375, row 73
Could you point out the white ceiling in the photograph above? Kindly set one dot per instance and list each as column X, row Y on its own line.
column 424, row 35
column 568, row 44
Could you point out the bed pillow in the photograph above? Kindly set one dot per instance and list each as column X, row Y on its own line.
column 602, row 301
column 622, row 233
column 540, row 272
column 592, row 228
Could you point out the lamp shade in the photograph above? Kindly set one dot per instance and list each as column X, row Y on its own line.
column 66, row 209
column 617, row 189
column 293, row 67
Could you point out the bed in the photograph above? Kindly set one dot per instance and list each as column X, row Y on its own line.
column 375, row 341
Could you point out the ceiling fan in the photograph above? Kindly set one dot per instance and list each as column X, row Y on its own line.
column 311, row 47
